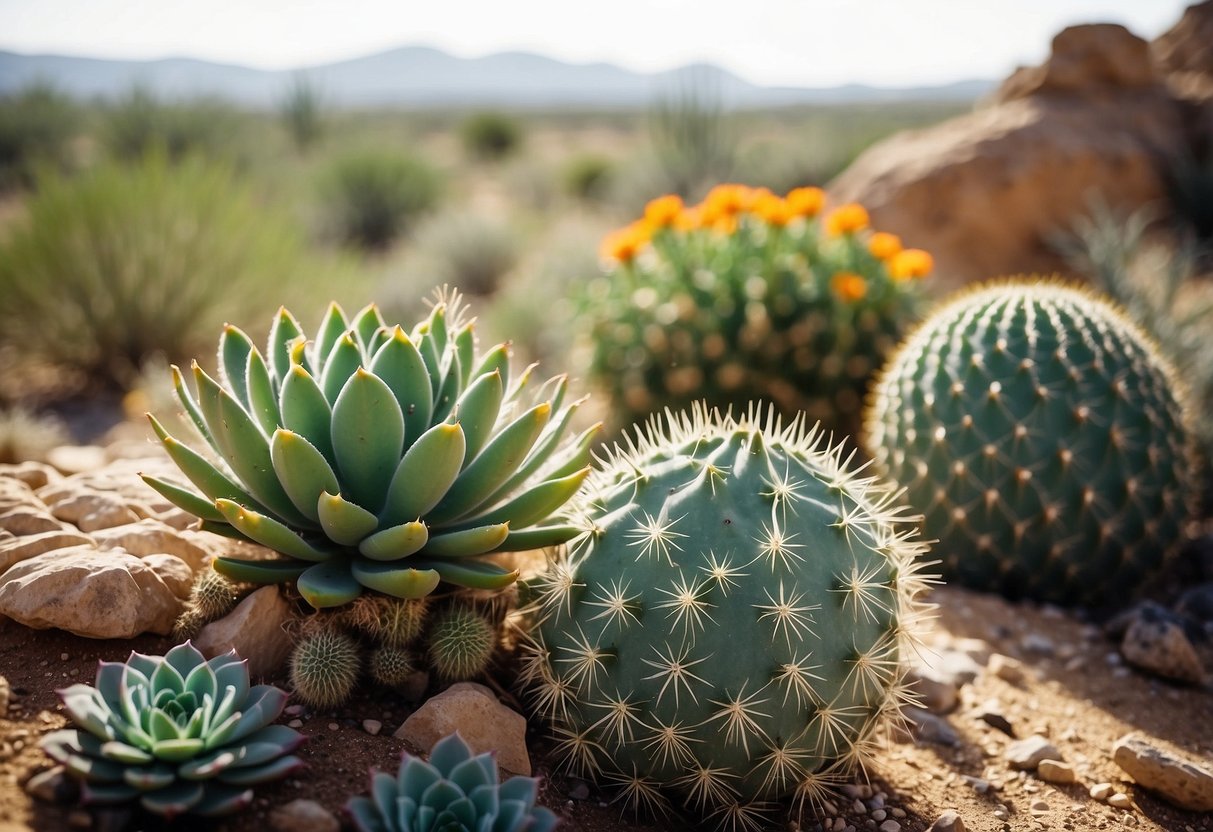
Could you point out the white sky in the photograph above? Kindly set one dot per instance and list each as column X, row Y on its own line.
column 773, row 42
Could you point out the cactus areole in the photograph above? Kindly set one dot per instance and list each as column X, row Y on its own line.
column 1044, row 439
column 729, row 628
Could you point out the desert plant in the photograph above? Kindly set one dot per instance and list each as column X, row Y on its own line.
column 468, row 251
column 455, row 790
column 1043, row 437
column 302, row 112
column 124, row 262
column 588, row 177
column 490, row 135
column 729, row 630
column 28, row 436
column 140, row 122
column 748, row 295
column 325, row 664
column 212, row 596
column 37, row 125
column 692, row 137
column 177, row 733
column 372, row 197
column 371, row 458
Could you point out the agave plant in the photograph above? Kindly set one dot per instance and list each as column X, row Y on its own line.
column 372, row 458
column 454, row 791
column 176, row 732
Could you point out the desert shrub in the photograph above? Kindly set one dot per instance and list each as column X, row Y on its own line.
column 128, row 261
column 692, row 138
column 588, row 177
column 140, row 122
column 470, row 252
column 374, row 196
column 26, row 435
column 490, row 135
column 302, row 112
column 37, row 125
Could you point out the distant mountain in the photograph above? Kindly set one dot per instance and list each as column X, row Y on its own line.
column 422, row 76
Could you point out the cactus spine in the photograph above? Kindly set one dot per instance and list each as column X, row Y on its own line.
column 729, row 628
column 1043, row 436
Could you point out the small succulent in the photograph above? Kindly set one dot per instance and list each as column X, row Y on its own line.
column 373, row 458
column 455, row 791
column 176, row 732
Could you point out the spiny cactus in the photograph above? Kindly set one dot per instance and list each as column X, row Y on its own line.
column 177, row 733
column 461, row 644
column 371, row 458
column 1044, row 439
column 389, row 621
column 391, row 666
column 324, row 667
column 729, row 629
column 455, row 790
column 749, row 295
column 212, row 596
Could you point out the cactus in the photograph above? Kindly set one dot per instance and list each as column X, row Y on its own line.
column 324, row 667
column 455, row 790
column 212, row 596
column 748, row 296
column 371, row 458
column 391, row 666
column 389, row 621
column 461, row 644
column 177, row 733
column 1043, row 437
column 729, row 628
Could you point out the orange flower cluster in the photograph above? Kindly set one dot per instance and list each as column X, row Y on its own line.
column 911, row 263
column 847, row 219
column 624, row 244
column 849, row 286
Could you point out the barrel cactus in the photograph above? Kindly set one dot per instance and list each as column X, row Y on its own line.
column 1044, row 439
column 178, row 733
column 455, row 790
column 748, row 295
column 371, row 458
column 729, row 629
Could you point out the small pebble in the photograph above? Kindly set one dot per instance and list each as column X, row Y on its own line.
column 580, row 792
column 64, row 657
column 1001, row 813
column 1101, row 791
column 295, row 723
column 890, row 826
column 897, row 813
column 372, row 726
column 1006, row 668
column 1039, row 806
column 879, row 815
column 1120, row 800
column 295, row 710
column 1053, row 771
column 333, row 726
column 949, row 821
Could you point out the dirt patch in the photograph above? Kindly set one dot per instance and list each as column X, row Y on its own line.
column 1076, row 691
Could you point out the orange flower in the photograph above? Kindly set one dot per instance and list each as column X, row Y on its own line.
column 725, row 201
column 663, row 211
column 884, row 245
column 772, row 209
column 846, row 219
column 689, row 219
column 624, row 244
column 849, row 286
column 911, row 263
column 805, row 202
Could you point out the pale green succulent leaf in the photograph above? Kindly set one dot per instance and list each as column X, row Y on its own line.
column 449, row 390
column 401, row 367
column 366, row 323
column 270, row 532
column 344, row 522
column 234, row 349
column 394, row 579
column 149, row 779
column 121, row 752
column 472, row 574
column 261, row 774
column 345, row 358
column 328, row 585
column 201, row 472
column 302, row 469
column 477, row 412
column 260, row 571
column 539, row 537
column 190, row 405
column 183, row 498
column 368, row 437
column 283, row 331
column 306, row 411
column 465, row 349
column 425, row 473
column 534, row 505
column 384, row 791
column 262, row 397
column 332, row 327
column 176, row 750
column 467, row 543
column 395, row 542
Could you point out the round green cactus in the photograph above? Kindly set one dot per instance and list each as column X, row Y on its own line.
column 461, row 644
column 729, row 628
column 391, row 666
column 1044, row 439
column 371, row 458
column 324, row 667
column 178, row 733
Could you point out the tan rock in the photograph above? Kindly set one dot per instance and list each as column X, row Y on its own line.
column 150, row 537
column 1055, row 771
column 33, row 474
column 1156, row 641
column 1006, row 668
column 22, row 548
column 28, row 519
column 1184, row 48
column 1028, row 753
column 1183, row 783
column 176, row 573
column 1086, row 60
column 74, row 459
column 95, row 593
column 255, row 630
column 90, row 511
column 483, row 722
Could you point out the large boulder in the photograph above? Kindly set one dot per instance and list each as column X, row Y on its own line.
column 986, row 192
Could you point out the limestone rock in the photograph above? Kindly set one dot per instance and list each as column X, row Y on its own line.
column 935, row 691
column 1027, row 754
column 949, row 821
column 175, row 573
column 17, row 549
column 27, row 519
column 483, row 722
column 33, row 474
column 254, row 630
column 1184, row 48
column 1155, row 641
column 93, row 510
column 1086, row 60
column 1180, row 782
column 76, row 459
column 152, row 537
column 95, row 593
column 1055, row 771
column 303, row 816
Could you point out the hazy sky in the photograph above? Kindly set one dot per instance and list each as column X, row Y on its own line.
column 793, row 42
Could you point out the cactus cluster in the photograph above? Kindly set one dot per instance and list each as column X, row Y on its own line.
column 455, row 790
column 748, row 296
column 372, row 458
column 212, row 596
column 176, row 733
column 728, row 629
column 1044, row 439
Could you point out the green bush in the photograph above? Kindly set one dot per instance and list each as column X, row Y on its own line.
column 588, row 177
column 372, row 197
column 130, row 261
column 302, row 113
column 37, row 126
column 140, row 122
column 491, row 135
column 693, row 139
column 469, row 252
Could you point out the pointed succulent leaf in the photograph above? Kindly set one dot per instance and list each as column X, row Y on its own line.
column 396, row 542
column 88, row 768
column 177, row 750
column 173, row 801
column 283, row 331
column 465, row 349
column 401, row 367
column 306, row 411
column 263, row 705
column 477, row 412
column 367, row 817
column 367, row 322
column 523, row 789
column 234, row 349
column 121, row 752
column 467, row 543
column 415, row 776
column 344, row 522
column 471, row 774
column 208, row 479
column 260, row 571
column 368, row 435
column 328, row 585
column 183, row 498
column 536, row 504
column 545, row 446
column 332, row 327
column 190, row 405
column 425, row 473
column 472, row 574
column 183, row 658
column 168, row 678
column 448, row 390
column 345, row 358
column 147, row 779
column 221, row 800
column 496, row 360
column 208, row 764
column 384, row 791
column 270, row 533
column 392, row 579
column 261, row 773
column 282, row 737
column 108, row 682
column 440, row 795
column 262, row 396
column 487, row 803
column 303, row 471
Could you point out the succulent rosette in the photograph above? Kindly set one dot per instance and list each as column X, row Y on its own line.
column 178, row 733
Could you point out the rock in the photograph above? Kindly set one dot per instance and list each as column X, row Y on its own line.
column 890, row 826
column 986, row 192
column 1101, row 792
column 372, row 726
column 953, row 667
column 975, row 648
column 175, row 573
column 53, row 786
column 1027, row 754
column 990, row 712
column 1039, row 644
column 29, row 519
column 580, row 791
column 6, row 693
column 1182, row 783
column 33, row 474
column 1054, row 771
column 18, row 549
column 1120, row 800
column 254, row 629
column 949, row 821
column 929, row 728
column 95, row 593
column 303, row 816
column 1006, row 668
column 1184, row 48
column 484, row 723
column 76, row 459
column 152, row 537
column 1155, row 641
column 90, row 511
column 932, row 689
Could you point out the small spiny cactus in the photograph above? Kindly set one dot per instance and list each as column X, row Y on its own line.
column 461, row 644
column 389, row 621
column 1044, row 439
column 212, row 596
column 324, row 667
column 391, row 666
